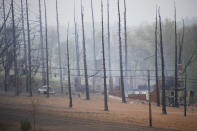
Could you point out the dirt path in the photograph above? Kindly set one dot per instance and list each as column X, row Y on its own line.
column 53, row 114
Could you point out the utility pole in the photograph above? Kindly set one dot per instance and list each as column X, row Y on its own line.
column 29, row 50
column 46, row 35
column 25, row 48
column 156, row 65
column 68, row 66
column 104, row 70
column 176, row 74
column 59, row 48
column 120, row 54
column 84, row 55
column 149, row 100
column 77, row 53
column 162, row 69
column 109, row 48
column 94, row 44
column 185, row 94
column 181, row 45
column 15, row 50
column 126, row 52
column 42, row 45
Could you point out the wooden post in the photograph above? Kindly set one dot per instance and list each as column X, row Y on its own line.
column 149, row 101
column 185, row 94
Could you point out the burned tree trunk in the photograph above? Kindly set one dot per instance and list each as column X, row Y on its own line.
column 78, row 79
column 25, row 48
column 15, row 49
column 46, row 35
column 68, row 67
column 176, row 74
column 94, row 44
column 104, row 70
column 29, row 50
column 59, row 49
column 126, row 52
column 84, row 55
column 156, row 65
column 120, row 54
column 162, row 69
column 109, row 48
column 42, row 45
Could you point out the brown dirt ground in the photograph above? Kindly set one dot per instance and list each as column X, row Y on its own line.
column 133, row 112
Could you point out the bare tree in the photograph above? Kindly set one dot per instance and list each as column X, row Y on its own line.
column 156, row 64
column 120, row 54
column 6, row 57
column 25, row 48
column 84, row 55
column 104, row 70
column 125, row 35
column 47, row 63
column 29, row 50
column 162, row 69
column 59, row 48
column 109, row 48
column 176, row 74
column 78, row 85
column 42, row 45
column 94, row 43
column 14, row 46
column 68, row 67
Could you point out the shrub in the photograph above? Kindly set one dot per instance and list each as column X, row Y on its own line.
column 25, row 125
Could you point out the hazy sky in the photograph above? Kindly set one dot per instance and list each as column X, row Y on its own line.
column 138, row 11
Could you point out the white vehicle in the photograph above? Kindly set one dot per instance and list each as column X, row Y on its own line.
column 43, row 90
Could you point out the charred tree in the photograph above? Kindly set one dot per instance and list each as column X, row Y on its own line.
column 59, row 48
column 109, row 48
column 120, row 54
column 94, row 43
column 84, row 55
column 156, row 64
column 68, row 67
column 29, row 51
column 104, row 69
column 15, row 49
column 176, row 74
column 25, row 48
column 78, row 84
column 42, row 45
column 47, row 63
column 126, row 52
column 162, row 69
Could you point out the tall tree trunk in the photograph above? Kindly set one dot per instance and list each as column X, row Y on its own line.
column 156, row 65
column 94, row 43
column 29, row 50
column 84, row 55
column 176, row 74
column 6, row 56
column 25, row 48
column 15, row 50
column 42, row 45
column 77, row 54
column 109, row 48
column 162, row 69
column 126, row 52
column 47, row 63
column 120, row 54
column 181, row 45
column 104, row 70
column 68, row 66
column 59, row 48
